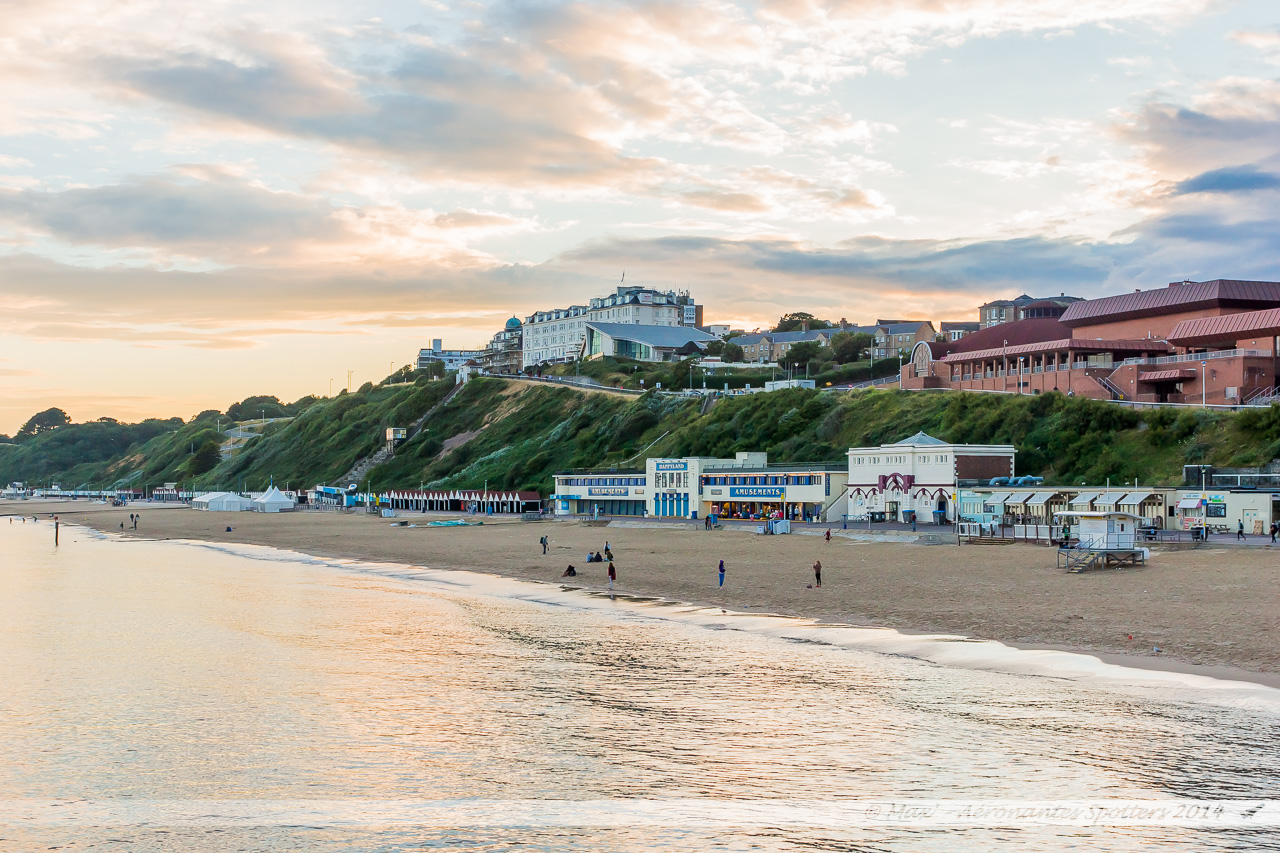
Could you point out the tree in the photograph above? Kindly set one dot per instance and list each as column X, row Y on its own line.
column 849, row 346
column 206, row 458
column 801, row 353
column 796, row 321
column 252, row 408
column 49, row 419
column 715, row 347
column 434, row 369
column 732, row 353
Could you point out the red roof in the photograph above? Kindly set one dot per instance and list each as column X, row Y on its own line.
column 1229, row 327
column 1178, row 297
column 1165, row 375
column 1021, row 332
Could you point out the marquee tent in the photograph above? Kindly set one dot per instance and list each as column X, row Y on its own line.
column 273, row 500
column 220, row 502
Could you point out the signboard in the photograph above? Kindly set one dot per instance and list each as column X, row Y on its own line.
column 604, row 491
column 671, row 466
column 757, row 491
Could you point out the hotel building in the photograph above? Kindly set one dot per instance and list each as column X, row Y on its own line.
column 557, row 335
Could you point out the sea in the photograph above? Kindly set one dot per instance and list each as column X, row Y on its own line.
column 171, row 696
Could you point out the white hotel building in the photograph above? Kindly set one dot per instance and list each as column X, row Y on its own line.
column 557, row 335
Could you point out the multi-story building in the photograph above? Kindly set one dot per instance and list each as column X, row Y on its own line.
column 901, row 337
column 956, row 331
column 1023, row 307
column 557, row 335
column 503, row 354
column 1210, row 342
column 769, row 347
column 452, row 358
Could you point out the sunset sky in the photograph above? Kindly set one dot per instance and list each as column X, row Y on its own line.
column 202, row 201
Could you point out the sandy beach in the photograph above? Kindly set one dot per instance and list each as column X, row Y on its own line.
column 1211, row 611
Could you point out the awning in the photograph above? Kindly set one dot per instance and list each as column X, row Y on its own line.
column 1189, row 503
column 1041, row 498
column 1166, row 375
column 997, row 498
column 1083, row 499
column 1107, row 499
column 1019, row 498
column 1136, row 498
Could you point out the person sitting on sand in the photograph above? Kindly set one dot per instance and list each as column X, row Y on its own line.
column 599, row 558
column 570, row 572
column 608, row 552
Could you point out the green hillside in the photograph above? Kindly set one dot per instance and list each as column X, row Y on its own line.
column 515, row 435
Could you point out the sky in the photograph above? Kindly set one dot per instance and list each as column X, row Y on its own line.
column 200, row 202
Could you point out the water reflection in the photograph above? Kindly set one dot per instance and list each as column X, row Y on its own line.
column 169, row 671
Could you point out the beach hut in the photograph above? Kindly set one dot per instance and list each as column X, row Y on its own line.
column 221, row 502
column 273, row 500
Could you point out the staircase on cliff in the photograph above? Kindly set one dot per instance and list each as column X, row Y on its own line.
column 382, row 454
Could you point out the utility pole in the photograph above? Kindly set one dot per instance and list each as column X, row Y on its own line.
column 330, row 386
column 349, row 372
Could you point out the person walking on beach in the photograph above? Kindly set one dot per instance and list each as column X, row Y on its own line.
column 828, row 537
column 722, row 574
column 817, row 573
column 1275, row 528
column 613, row 574
column 1239, row 530
column 608, row 550
column 543, row 543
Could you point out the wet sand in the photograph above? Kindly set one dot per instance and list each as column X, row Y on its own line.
column 1206, row 608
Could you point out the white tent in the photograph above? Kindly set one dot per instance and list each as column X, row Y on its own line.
column 273, row 500
column 220, row 502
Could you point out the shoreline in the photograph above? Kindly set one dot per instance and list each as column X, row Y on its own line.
column 1208, row 618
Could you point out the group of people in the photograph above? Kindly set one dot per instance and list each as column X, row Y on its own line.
column 607, row 556
column 592, row 557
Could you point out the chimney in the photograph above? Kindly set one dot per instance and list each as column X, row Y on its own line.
column 804, row 325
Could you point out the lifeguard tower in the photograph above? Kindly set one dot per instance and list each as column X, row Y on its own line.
column 1105, row 539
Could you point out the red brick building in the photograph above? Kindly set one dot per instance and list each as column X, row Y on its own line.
column 1210, row 341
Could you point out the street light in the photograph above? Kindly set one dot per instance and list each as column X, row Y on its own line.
column 1204, row 384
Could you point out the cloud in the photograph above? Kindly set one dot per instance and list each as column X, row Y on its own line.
column 227, row 220
column 1238, row 179
column 198, row 218
column 735, row 202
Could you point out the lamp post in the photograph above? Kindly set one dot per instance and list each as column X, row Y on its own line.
column 1204, row 384
column 330, row 386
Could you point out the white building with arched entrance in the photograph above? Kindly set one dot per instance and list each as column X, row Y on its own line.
column 918, row 475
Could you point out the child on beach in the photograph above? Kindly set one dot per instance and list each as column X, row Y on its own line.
column 817, row 573
column 613, row 574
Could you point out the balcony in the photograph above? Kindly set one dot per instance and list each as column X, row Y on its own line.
column 1201, row 356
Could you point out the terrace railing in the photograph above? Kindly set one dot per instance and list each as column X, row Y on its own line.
column 1201, row 356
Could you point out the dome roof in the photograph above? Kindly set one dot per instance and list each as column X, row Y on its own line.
column 513, row 323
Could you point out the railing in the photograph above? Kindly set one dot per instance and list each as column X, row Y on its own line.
column 1200, row 356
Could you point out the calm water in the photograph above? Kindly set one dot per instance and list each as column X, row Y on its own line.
column 138, row 672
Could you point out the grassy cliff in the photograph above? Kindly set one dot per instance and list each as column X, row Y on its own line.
column 515, row 435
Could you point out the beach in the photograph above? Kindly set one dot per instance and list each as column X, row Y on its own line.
column 1209, row 610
